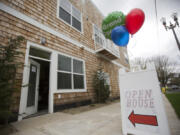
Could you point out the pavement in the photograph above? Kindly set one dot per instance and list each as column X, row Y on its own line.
column 101, row 121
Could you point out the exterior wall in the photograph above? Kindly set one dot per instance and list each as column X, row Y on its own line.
column 45, row 13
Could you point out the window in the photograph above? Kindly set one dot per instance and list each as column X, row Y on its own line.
column 70, row 14
column 98, row 36
column 70, row 74
column 64, row 63
column 78, row 75
column 39, row 53
column 126, row 58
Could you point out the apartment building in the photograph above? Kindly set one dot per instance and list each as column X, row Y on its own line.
column 64, row 48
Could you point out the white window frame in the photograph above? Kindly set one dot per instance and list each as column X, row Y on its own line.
column 72, row 73
column 100, row 36
column 57, row 15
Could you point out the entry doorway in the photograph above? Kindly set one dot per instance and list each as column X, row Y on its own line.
column 38, row 83
column 43, row 96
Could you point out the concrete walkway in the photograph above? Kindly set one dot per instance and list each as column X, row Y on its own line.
column 102, row 121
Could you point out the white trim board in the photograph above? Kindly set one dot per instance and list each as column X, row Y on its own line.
column 52, row 82
column 35, row 23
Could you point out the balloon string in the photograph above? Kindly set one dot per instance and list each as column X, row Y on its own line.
column 131, row 36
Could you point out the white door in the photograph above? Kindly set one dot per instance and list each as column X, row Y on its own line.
column 33, row 87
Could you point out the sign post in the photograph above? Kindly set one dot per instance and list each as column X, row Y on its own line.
column 141, row 104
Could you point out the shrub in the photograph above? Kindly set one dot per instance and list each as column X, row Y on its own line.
column 102, row 89
column 8, row 71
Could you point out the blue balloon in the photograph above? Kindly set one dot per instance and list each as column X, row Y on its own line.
column 120, row 36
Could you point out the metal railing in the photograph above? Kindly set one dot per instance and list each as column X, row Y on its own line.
column 109, row 46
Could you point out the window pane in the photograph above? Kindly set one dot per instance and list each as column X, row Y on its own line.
column 64, row 15
column 76, row 23
column 76, row 13
column 78, row 81
column 66, row 5
column 96, row 31
column 77, row 66
column 97, row 39
column 98, row 35
column 32, row 86
column 64, row 81
column 64, row 63
column 39, row 53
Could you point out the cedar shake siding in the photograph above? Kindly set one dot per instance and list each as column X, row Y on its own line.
column 81, row 44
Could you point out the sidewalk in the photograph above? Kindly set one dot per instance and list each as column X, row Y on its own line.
column 102, row 121
column 174, row 122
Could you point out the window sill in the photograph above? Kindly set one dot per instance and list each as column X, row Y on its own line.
column 70, row 91
column 81, row 32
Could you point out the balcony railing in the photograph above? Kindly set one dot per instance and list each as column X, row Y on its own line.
column 108, row 49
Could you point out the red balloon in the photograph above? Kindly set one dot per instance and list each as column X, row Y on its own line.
column 134, row 20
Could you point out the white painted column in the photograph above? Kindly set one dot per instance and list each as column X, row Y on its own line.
column 52, row 80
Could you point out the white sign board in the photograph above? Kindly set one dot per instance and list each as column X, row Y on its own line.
column 141, row 104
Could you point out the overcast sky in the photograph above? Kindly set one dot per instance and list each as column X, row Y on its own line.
column 151, row 39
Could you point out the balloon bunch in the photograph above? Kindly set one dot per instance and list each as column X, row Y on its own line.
column 116, row 26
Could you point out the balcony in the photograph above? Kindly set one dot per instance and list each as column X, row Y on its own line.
column 108, row 49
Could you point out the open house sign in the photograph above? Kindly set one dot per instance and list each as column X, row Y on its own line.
column 141, row 104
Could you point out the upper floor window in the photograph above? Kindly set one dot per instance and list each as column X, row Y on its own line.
column 98, row 36
column 70, row 14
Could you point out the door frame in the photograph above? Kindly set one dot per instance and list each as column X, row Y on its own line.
column 33, row 109
column 24, row 88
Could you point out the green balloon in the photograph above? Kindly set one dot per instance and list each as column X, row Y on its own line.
column 114, row 19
